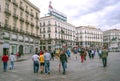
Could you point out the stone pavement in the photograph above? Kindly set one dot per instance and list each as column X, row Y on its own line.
column 90, row 70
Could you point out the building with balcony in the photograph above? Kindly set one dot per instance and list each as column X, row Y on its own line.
column 111, row 39
column 89, row 36
column 56, row 33
column 19, row 27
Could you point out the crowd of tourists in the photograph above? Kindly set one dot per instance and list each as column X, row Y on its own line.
column 41, row 60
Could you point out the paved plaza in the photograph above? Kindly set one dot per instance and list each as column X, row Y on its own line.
column 90, row 70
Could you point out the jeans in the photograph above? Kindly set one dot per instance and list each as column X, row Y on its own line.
column 12, row 65
column 36, row 66
column 64, row 66
column 5, row 66
column 104, row 60
column 47, row 66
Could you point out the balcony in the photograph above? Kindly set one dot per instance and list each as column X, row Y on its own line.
column 37, row 17
column 37, row 26
column 15, row 29
column 32, row 15
column 32, row 24
column 7, row 11
column 21, row 31
column 49, row 31
column 27, row 33
column 27, row 11
column 21, row 7
column 27, row 22
column 15, row 3
column 8, row 0
column 7, row 27
column 15, row 16
column 22, row 19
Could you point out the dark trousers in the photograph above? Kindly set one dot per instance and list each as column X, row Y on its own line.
column 47, row 66
column 64, row 66
column 5, row 66
column 36, row 66
column 104, row 60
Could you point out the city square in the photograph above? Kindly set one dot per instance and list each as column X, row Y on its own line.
column 79, row 26
column 90, row 70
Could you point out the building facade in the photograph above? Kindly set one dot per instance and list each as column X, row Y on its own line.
column 111, row 38
column 19, row 27
column 56, row 33
column 89, row 36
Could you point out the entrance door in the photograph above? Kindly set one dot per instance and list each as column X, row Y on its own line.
column 21, row 49
column 5, row 51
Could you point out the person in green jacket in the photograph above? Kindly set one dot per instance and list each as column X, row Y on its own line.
column 104, row 56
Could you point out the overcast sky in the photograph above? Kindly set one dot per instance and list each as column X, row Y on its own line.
column 104, row 14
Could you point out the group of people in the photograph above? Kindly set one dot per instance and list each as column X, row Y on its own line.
column 5, row 59
column 102, row 53
column 43, row 59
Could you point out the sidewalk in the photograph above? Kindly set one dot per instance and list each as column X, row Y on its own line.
column 24, row 57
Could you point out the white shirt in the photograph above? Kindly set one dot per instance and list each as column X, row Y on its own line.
column 47, row 56
column 35, row 57
column 12, row 58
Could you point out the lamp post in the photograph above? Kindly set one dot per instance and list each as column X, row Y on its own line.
column 62, row 41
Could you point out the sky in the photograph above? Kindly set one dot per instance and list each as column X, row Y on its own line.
column 103, row 14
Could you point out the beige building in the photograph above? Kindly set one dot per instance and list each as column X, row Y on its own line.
column 19, row 26
column 56, row 33
column 111, row 38
column 89, row 36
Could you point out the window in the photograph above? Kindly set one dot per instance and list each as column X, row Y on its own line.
column 14, row 23
column 21, row 25
column 40, row 24
column 40, row 30
column 7, row 5
column 26, row 27
column 6, row 20
column 48, row 35
column 49, row 23
column 21, row 3
column 21, row 13
column 0, row 8
column 36, row 31
column 31, row 29
column 26, row 16
column 43, row 23
column 15, row 10
column 36, row 14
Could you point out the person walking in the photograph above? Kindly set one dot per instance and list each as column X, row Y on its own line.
column 68, row 53
column 5, row 59
column 82, row 55
column 63, row 60
column 41, row 58
column 104, row 56
column 99, row 52
column 47, row 58
column 35, row 59
column 12, row 59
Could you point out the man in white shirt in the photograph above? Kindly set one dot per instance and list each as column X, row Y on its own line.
column 47, row 58
column 35, row 59
column 12, row 59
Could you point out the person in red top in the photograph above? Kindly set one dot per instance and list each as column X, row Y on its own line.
column 5, row 59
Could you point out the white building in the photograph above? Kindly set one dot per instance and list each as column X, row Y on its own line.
column 56, row 33
column 111, row 38
column 19, row 27
column 88, row 36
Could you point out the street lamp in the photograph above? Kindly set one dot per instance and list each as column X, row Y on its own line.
column 62, row 41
